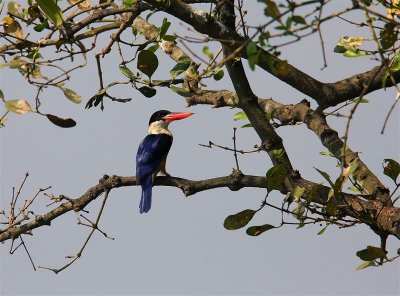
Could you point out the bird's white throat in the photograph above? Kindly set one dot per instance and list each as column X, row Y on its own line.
column 159, row 127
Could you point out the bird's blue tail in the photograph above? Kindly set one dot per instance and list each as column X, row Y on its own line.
column 145, row 201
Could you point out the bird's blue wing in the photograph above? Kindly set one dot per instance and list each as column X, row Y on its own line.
column 151, row 152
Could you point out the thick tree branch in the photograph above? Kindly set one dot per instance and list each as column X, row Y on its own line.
column 315, row 121
column 325, row 94
column 380, row 219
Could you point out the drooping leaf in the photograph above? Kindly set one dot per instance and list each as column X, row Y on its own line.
column 327, row 177
column 257, row 230
column 388, row 36
column 239, row 220
column 322, row 230
column 297, row 193
column 72, row 95
column 61, row 122
column 51, row 10
column 18, row 106
column 276, row 176
column 128, row 73
column 253, row 55
column 371, row 253
column 310, row 197
column 365, row 265
column 180, row 67
column 147, row 62
column 391, row 169
column 181, row 91
column 299, row 211
column 147, row 91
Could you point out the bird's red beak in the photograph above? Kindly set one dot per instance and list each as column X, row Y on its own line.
column 177, row 116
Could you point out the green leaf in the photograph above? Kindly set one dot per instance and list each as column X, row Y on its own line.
column 129, row 3
column 331, row 209
column 51, row 10
column 362, row 101
column 365, row 265
column 147, row 62
column 71, row 95
column 271, row 9
column 219, row 74
column 276, row 176
column 207, row 52
column 164, row 28
column 154, row 48
column 252, row 55
column 326, row 153
column 61, row 122
column 391, row 169
column 170, row 38
column 12, row 8
column 147, row 91
column 239, row 220
column 312, row 194
column 371, row 253
column 128, row 73
column 181, row 91
column 18, row 106
column 339, row 49
column 297, row 193
column 353, row 188
column 388, row 36
column 322, row 230
column 257, row 230
column 299, row 19
column 180, row 67
column 3, row 121
column 354, row 54
column 247, row 125
column 327, row 177
column 240, row 116
column 299, row 211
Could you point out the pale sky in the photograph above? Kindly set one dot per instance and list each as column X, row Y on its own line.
column 180, row 246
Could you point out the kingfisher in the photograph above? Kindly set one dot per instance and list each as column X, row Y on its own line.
column 153, row 151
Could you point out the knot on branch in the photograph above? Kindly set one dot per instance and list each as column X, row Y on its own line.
column 236, row 178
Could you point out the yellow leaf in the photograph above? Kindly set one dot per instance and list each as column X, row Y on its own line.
column 393, row 10
column 18, row 106
column 83, row 5
column 11, row 26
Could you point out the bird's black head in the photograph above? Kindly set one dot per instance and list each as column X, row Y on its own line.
column 159, row 115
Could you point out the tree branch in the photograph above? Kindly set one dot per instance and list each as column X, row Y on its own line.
column 325, row 94
column 384, row 219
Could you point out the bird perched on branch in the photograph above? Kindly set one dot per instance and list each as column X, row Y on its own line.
column 153, row 151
